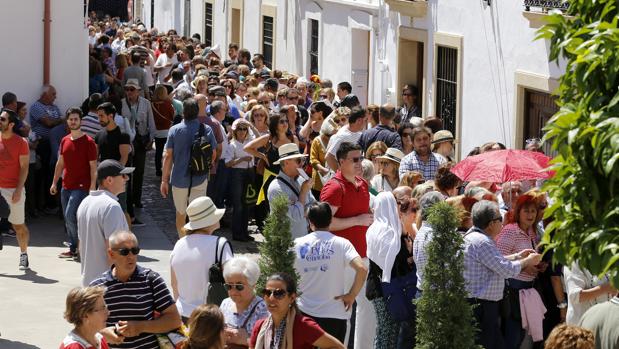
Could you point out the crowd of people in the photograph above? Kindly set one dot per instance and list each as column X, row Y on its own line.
column 230, row 133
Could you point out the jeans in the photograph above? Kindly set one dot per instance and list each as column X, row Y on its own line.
column 240, row 211
column 218, row 187
column 70, row 200
column 159, row 144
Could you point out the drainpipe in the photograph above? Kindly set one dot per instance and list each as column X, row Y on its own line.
column 47, row 19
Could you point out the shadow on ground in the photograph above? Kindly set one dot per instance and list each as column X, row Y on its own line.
column 29, row 275
column 8, row 344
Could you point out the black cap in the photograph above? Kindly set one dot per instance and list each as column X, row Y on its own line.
column 217, row 90
column 112, row 168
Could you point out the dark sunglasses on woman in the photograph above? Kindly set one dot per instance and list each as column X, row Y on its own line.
column 238, row 287
column 277, row 293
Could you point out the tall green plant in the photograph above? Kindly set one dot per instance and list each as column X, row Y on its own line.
column 444, row 317
column 585, row 133
column 276, row 252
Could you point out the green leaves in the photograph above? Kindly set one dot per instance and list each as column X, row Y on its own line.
column 444, row 317
column 585, row 132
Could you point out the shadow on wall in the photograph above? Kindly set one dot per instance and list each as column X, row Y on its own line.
column 8, row 344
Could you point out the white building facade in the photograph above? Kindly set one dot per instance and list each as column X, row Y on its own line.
column 23, row 60
column 476, row 63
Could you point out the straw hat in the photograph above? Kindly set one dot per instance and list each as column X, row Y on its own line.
column 443, row 136
column 289, row 151
column 203, row 213
column 392, row 154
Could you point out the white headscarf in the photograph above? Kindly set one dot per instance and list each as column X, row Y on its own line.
column 383, row 236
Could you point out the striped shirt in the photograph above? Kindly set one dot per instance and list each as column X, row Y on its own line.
column 38, row 111
column 343, row 135
column 91, row 125
column 513, row 240
column 137, row 299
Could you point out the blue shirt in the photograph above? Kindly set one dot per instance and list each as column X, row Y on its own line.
column 485, row 268
column 256, row 310
column 39, row 110
column 412, row 162
column 180, row 138
column 380, row 133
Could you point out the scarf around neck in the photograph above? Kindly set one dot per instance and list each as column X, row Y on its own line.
column 267, row 332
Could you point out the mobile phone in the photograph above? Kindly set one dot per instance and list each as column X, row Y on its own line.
column 303, row 174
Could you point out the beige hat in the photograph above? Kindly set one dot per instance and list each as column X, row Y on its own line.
column 133, row 83
column 203, row 213
column 289, row 151
column 443, row 136
column 392, row 154
column 329, row 127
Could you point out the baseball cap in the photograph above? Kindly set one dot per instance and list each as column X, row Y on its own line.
column 112, row 168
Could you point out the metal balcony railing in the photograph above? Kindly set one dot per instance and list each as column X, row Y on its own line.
column 544, row 6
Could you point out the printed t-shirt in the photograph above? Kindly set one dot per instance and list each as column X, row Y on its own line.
column 77, row 154
column 10, row 151
column 321, row 259
column 352, row 200
column 305, row 332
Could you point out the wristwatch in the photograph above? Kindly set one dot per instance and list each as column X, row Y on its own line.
column 562, row 305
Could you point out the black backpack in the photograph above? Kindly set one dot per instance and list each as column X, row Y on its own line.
column 201, row 154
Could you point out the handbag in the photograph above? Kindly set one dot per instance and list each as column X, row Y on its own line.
column 398, row 296
column 216, row 290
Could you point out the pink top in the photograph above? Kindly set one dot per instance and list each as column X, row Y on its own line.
column 513, row 240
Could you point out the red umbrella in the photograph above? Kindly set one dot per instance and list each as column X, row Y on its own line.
column 503, row 166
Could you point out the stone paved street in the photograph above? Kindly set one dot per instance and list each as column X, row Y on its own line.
column 32, row 302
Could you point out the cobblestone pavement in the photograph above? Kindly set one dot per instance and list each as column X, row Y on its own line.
column 162, row 211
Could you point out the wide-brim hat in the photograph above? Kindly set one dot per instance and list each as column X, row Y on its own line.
column 203, row 213
column 288, row 151
column 392, row 154
column 443, row 136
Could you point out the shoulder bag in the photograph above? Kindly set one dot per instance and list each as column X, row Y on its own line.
column 216, row 290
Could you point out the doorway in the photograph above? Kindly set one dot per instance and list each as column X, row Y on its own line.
column 539, row 107
column 410, row 68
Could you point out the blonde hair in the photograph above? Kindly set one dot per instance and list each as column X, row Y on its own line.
column 378, row 145
column 80, row 302
column 161, row 93
column 410, row 178
column 258, row 108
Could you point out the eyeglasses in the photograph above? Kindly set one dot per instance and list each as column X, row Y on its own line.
column 277, row 293
column 103, row 308
column 300, row 161
column 356, row 159
column 386, row 163
column 130, row 89
column 283, row 121
column 264, row 102
column 125, row 251
column 238, row 287
column 241, row 129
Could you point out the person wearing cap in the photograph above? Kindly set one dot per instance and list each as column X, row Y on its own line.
column 139, row 112
column 98, row 216
column 443, row 145
column 388, row 178
column 296, row 187
column 185, row 187
column 138, row 300
column 194, row 253
column 165, row 63
column 135, row 71
column 383, row 131
column 77, row 163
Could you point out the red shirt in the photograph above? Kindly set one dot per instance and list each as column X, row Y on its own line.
column 352, row 200
column 10, row 151
column 77, row 154
column 305, row 332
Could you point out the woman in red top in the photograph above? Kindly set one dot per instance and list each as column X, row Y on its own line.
column 86, row 310
column 163, row 113
column 286, row 328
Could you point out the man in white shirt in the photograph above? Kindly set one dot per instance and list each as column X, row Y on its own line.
column 165, row 63
column 321, row 260
column 357, row 122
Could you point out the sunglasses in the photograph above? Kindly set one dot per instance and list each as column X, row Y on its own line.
column 241, row 129
column 264, row 102
column 283, row 121
column 356, row 159
column 277, row 293
column 125, row 251
column 300, row 161
column 258, row 115
column 341, row 121
column 374, row 156
column 238, row 287
column 130, row 89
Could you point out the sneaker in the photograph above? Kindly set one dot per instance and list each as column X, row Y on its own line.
column 23, row 262
column 10, row 233
column 137, row 223
column 67, row 254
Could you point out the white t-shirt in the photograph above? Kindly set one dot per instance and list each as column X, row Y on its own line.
column 98, row 216
column 162, row 61
column 343, row 135
column 380, row 183
column 321, row 259
column 235, row 151
column 190, row 260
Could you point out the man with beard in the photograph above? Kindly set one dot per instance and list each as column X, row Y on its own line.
column 421, row 158
column 77, row 162
column 14, row 162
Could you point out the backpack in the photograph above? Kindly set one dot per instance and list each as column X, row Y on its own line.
column 201, row 154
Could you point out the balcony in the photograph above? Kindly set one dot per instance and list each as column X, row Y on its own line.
column 411, row 8
column 537, row 10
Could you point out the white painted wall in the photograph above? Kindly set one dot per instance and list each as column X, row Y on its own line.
column 22, row 61
column 252, row 26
